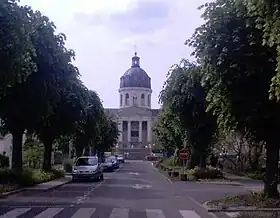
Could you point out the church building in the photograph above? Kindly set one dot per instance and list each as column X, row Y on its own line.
column 135, row 116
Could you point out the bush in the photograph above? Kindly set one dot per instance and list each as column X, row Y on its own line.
column 28, row 177
column 256, row 175
column 207, row 173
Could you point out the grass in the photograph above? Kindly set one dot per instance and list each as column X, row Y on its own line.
column 253, row 199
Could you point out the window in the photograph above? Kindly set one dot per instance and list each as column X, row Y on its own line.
column 134, row 100
column 87, row 161
column 121, row 100
column 149, row 100
column 126, row 99
column 142, row 99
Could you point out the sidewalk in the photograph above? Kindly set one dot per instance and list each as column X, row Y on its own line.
column 42, row 186
column 248, row 183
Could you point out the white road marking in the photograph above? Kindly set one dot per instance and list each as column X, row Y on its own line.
column 15, row 213
column 232, row 214
column 154, row 213
column 48, row 213
column 134, row 173
column 84, row 213
column 189, row 214
column 139, row 186
column 119, row 213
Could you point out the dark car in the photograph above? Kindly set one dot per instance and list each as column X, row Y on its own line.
column 108, row 165
column 115, row 162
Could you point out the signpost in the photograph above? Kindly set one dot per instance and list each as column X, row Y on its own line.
column 184, row 155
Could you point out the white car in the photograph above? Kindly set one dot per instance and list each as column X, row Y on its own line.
column 87, row 167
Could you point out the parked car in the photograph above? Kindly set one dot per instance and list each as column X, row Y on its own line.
column 108, row 165
column 120, row 158
column 115, row 162
column 87, row 167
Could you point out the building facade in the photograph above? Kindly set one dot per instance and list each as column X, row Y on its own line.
column 135, row 116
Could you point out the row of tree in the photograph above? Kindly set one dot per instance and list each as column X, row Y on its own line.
column 232, row 86
column 40, row 88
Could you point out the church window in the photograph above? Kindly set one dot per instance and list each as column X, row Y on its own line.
column 149, row 100
column 121, row 100
column 134, row 100
column 142, row 99
column 126, row 99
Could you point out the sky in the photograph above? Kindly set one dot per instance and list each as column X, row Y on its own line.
column 105, row 34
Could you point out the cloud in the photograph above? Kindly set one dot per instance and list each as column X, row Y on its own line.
column 140, row 17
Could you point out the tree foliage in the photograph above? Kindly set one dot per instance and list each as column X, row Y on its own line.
column 40, row 89
column 184, row 96
column 267, row 16
column 238, row 69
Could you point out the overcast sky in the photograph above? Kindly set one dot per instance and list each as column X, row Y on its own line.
column 103, row 34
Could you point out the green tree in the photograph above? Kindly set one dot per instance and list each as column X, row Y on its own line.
column 86, row 129
column 169, row 131
column 185, row 96
column 239, row 68
column 16, row 49
column 267, row 16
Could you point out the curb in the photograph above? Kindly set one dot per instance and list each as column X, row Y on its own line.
column 5, row 194
column 220, row 183
column 238, row 209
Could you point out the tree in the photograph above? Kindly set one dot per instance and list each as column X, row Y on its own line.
column 238, row 68
column 86, row 129
column 185, row 96
column 168, row 130
column 16, row 49
column 267, row 15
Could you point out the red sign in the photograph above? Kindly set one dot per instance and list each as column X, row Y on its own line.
column 184, row 154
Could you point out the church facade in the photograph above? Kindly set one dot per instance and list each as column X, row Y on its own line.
column 135, row 117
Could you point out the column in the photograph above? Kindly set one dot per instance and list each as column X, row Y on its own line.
column 120, row 128
column 149, row 131
column 140, row 131
column 129, row 132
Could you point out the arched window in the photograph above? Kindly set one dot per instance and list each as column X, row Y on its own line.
column 142, row 99
column 126, row 99
column 149, row 100
column 121, row 99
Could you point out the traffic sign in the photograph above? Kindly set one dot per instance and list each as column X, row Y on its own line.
column 183, row 154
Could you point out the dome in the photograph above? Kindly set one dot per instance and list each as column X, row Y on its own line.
column 135, row 76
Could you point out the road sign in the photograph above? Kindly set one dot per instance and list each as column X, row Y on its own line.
column 183, row 154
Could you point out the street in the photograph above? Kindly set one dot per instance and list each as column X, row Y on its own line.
column 136, row 190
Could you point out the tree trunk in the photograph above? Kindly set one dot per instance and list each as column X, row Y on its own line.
column 202, row 161
column 194, row 159
column 17, row 149
column 47, row 165
column 271, row 171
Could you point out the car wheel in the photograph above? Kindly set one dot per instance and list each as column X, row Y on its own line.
column 101, row 177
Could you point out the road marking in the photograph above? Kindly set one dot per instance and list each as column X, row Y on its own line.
column 82, row 199
column 84, row 213
column 154, row 213
column 232, row 214
column 189, row 214
column 50, row 212
column 134, row 173
column 15, row 213
column 119, row 213
column 139, row 186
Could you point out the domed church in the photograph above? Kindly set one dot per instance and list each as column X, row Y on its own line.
column 135, row 116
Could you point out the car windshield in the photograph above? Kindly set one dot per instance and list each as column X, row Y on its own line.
column 86, row 161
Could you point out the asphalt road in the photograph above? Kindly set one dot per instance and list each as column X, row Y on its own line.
column 136, row 190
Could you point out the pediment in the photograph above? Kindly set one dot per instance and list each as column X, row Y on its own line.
column 134, row 111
